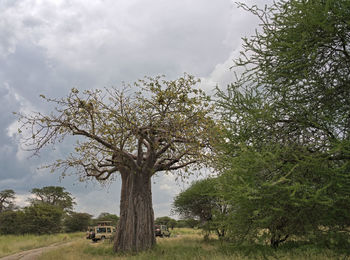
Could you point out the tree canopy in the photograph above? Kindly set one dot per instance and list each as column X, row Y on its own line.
column 162, row 127
column 168, row 221
column 53, row 195
column 109, row 217
column 203, row 200
column 154, row 126
column 286, row 154
column 77, row 221
column 42, row 218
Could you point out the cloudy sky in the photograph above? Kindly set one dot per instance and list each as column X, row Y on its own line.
column 49, row 46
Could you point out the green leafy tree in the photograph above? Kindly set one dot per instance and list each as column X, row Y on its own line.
column 76, row 221
column 109, row 217
column 187, row 223
column 172, row 223
column 6, row 200
column 53, row 195
column 202, row 201
column 42, row 219
column 11, row 222
column 166, row 126
column 168, row 221
column 286, row 153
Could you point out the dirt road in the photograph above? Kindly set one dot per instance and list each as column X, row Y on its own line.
column 34, row 253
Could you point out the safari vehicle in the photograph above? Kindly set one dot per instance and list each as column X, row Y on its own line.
column 102, row 231
column 161, row 231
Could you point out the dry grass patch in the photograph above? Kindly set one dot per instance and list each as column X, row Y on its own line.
column 188, row 247
column 11, row 244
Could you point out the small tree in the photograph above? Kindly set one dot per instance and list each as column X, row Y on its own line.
column 203, row 201
column 187, row 223
column 109, row 217
column 166, row 126
column 172, row 223
column 53, row 195
column 6, row 200
column 76, row 221
column 165, row 221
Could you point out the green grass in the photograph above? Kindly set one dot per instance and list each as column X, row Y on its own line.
column 10, row 244
column 188, row 245
column 184, row 231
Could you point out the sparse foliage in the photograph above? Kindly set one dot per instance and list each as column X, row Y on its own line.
column 165, row 126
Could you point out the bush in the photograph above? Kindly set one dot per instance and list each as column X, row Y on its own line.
column 42, row 219
column 11, row 222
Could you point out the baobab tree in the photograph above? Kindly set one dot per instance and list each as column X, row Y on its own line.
column 156, row 125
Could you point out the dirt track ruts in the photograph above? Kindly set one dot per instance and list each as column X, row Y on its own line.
column 33, row 254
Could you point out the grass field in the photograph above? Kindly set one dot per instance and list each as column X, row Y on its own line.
column 10, row 244
column 188, row 244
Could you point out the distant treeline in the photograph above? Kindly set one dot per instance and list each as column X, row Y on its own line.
column 50, row 211
column 181, row 223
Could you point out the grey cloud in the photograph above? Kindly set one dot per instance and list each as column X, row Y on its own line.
column 8, row 3
column 31, row 21
column 49, row 47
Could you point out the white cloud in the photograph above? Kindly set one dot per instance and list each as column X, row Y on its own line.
column 22, row 200
column 165, row 187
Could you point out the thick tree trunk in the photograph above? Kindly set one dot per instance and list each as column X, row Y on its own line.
column 135, row 231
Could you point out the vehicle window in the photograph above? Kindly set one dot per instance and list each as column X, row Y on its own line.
column 109, row 230
column 101, row 230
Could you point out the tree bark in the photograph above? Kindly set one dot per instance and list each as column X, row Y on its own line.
column 135, row 231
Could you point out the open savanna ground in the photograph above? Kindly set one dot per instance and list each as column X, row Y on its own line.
column 188, row 244
column 11, row 244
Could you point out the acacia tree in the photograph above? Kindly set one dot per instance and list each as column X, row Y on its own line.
column 6, row 200
column 53, row 195
column 165, row 126
column 203, row 200
column 287, row 155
